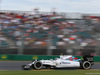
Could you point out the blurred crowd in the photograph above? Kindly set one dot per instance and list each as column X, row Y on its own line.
column 40, row 30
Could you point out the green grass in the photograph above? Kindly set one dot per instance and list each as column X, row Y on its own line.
column 67, row 72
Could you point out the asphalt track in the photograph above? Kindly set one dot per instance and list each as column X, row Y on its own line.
column 16, row 65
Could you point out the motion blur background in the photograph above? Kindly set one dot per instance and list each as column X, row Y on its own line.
column 49, row 32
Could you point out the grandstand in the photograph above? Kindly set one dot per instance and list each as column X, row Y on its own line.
column 60, row 32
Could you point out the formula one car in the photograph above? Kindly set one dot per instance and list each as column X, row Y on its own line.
column 62, row 62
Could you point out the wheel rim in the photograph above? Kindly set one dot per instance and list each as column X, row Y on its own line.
column 38, row 65
column 87, row 65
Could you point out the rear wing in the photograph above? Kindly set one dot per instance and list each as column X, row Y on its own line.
column 88, row 58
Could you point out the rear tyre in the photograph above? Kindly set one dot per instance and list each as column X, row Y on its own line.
column 86, row 65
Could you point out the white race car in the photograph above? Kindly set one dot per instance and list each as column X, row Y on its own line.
column 62, row 62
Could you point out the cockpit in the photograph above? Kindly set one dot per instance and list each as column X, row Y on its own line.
column 70, row 58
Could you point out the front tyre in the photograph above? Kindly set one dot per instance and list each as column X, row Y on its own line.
column 38, row 65
column 86, row 65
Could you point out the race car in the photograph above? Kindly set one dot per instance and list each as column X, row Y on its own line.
column 64, row 61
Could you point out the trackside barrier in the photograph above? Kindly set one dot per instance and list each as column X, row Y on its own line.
column 97, row 58
column 3, row 57
column 38, row 57
column 26, row 57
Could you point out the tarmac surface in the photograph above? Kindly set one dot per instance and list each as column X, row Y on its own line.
column 16, row 65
